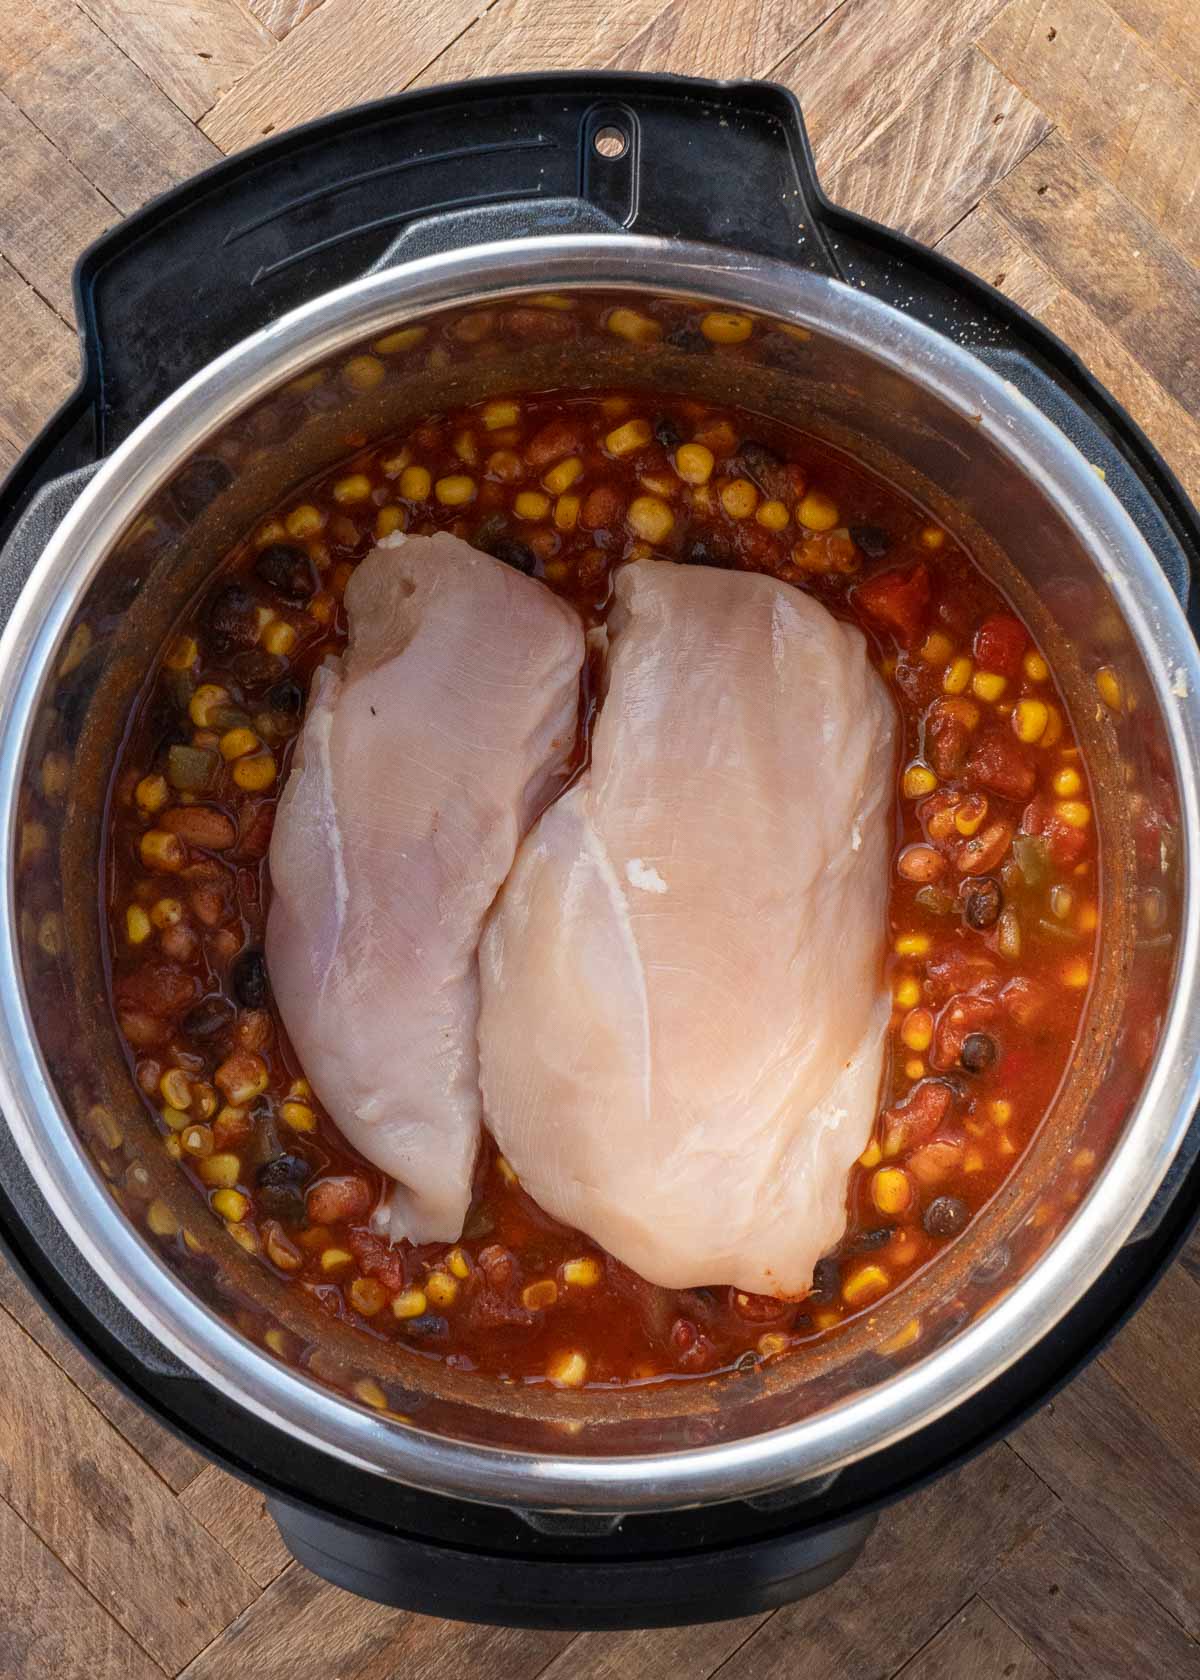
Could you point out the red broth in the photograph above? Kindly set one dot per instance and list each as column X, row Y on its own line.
column 993, row 903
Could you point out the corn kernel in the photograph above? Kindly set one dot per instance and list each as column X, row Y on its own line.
column 907, row 992
column 957, row 675
column 555, row 571
column 231, row 1205
column 298, row 1115
column 871, row 1155
column 162, row 851
column 389, row 519
column 161, row 1220
column 355, row 487
column 1087, row 919
column 500, row 412
column 624, row 440
column 817, row 511
column 221, row 1170
column 255, row 774
column 458, row 1264
column 152, row 793
column 918, row 781
column 916, row 1030
column 891, row 1190
column 1074, row 812
column 739, row 498
column 276, row 1340
column 173, row 1146
column 903, row 1338
column 410, row 1303
column 236, row 743
column 441, row 1288
column 632, row 325
column 455, row 490
column 182, row 654
column 369, row 1392
column 912, row 945
column 536, row 1296
column 724, row 326
column 1035, row 667
column 973, row 1161
column 242, row 1077
column 936, row 648
column 968, row 818
column 1030, row 719
column 367, row 1296
column 137, row 925
column 773, row 516
column 176, row 1088
column 1067, row 782
column 1062, row 901
column 1076, row 974
column 566, row 513
column 567, row 1370
column 562, row 476
column 1108, row 687
column 771, row 1344
column 175, row 1118
column 404, row 338
column 206, row 700
column 197, row 1140
column 304, row 521
column 1002, row 1111
column 531, row 504
column 694, row 463
column 415, row 484
column 868, row 1283
column 914, row 1068
column 988, row 685
column 584, row 1273
column 333, row 1259
column 932, row 537
column 650, row 519
column 363, row 373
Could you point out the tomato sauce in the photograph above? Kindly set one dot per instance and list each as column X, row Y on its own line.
column 993, row 903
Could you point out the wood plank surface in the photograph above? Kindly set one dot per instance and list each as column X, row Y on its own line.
column 1052, row 146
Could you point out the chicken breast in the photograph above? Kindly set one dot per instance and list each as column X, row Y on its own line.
column 683, row 1009
column 426, row 754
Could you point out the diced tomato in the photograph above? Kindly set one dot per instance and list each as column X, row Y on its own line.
column 898, row 600
column 958, row 969
column 966, row 1013
column 1001, row 765
column 948, row 725
column 918, row 1116
column 377, row 1258
column 1000, row 642
column 1064, row 845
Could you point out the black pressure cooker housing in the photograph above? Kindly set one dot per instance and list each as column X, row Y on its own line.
column 203, row 266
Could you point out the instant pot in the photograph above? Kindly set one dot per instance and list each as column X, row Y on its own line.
column 252, row 327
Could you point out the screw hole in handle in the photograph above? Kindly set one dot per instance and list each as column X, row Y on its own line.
column 610, row 141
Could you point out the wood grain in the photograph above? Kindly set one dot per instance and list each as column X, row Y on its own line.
column 281, row 15
column 1101, row 85
column 1125, row 1481
column 985, row 245
column 992, row 1507
column 165, row 1453
column 1079, row 1612
column 1169, row 26
column 931, row 164
column 1156, row 1360
column 1110, row 256
column 517, row 35
column 48, row 212
column 709, row 38
column 41, row 357
column 348, row 51
column 235, row 1515
column 105, row 1514
column 95, row 106
column 976, row 1645
column 870, row 58
column 50, row 1629
column 687, row 1653
column 192, row 49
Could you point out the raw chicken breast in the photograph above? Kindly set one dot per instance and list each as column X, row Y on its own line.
column 426, row 754
column 683, row 1010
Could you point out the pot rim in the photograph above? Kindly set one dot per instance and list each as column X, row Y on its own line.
column 874, row 1418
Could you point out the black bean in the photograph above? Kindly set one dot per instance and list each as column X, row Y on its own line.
column 232, row 617
column 872, row 539
column 256, row 668
column 288, row 571
column 200, row 483
column 687, row 338
column 211, row 1016
column 982, row 901
column 489, row 532
column 428, row 1324
column 827, row 1275
column 979, row 1051
column 946, row 1216
column 667, row 433
column 755, row 460
column 709, row 551
column 876, row 1238
column 280, row 1186
column 516, row 554
column 249, row 979
column 287, row 697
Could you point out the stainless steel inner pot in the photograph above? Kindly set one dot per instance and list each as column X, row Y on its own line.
column 281, row 406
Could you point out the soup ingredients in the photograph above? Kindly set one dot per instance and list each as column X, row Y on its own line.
column 426, row 753
column 683, row 1012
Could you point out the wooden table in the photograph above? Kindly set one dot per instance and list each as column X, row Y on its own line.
column 1054, row 147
